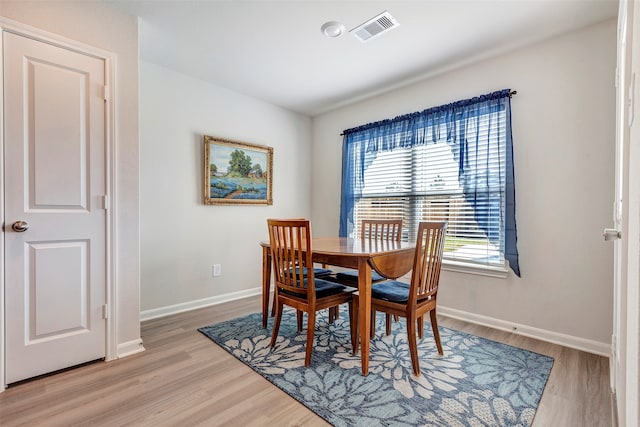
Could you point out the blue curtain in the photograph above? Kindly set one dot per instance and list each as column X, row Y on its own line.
column 457, row 124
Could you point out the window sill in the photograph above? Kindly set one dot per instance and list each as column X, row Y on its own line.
column 470, row 268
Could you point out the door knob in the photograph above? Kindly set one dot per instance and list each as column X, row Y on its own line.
column 20, row 226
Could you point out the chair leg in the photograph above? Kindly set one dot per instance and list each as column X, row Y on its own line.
column 413, row 346
column 311, row 326
column 387, row 319
column 373, row 324
column 436, row 333
column 334, row 313
column 353, row 321
column 276, row 325
column 299, row 314
column 420, row 327
column 273, row 307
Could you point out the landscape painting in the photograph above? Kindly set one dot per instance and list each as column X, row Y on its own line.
column 237, row 172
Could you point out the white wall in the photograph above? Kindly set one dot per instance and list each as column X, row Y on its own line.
column 563, row 134
column 98, row 25
column 181, row 238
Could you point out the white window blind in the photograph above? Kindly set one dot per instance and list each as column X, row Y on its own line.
column 422, row 183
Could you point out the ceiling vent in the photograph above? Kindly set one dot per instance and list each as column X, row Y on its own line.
column 375, row 26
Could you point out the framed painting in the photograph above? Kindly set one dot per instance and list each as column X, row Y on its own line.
column 237, row 173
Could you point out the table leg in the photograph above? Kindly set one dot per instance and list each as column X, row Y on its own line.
column 364, row 315
column 266, row 284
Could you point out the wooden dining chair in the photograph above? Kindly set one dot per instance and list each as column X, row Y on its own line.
column 317, row 271
column 371, row 229
column 290, row 242
column 412, row 300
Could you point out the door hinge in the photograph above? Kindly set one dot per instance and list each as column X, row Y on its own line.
column 611, row 234
column 105, row 311
column 105, row 93
column 105, row 203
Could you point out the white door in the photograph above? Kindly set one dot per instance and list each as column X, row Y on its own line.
column 625, row 361
column 55, row 188
column 616, row 363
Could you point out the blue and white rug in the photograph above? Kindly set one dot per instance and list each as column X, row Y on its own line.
column 478, row 382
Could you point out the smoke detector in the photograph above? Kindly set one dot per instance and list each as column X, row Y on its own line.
column 332, row 29
column 375, row 26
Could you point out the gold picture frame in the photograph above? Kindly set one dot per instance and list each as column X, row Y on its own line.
column 237, row 173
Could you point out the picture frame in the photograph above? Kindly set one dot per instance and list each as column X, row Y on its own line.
column 237, row 173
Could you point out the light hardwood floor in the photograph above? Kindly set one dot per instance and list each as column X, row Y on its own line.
column 184, row 379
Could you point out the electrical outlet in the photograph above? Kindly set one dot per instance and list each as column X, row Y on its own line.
column 216, row 270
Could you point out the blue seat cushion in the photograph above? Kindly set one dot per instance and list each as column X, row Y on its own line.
column 320, row 271
column 316, row 271
column 353, row 276
column 391, row 291
column 324, row 288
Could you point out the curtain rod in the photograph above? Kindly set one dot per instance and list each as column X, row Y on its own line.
column 511, row 93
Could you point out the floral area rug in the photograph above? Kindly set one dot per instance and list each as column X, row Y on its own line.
column 478, row 382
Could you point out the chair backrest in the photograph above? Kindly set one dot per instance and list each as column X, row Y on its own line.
column 427, row 261
column 381, row 229
column 290, row 241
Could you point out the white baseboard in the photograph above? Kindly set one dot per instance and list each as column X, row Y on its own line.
column 130, row 347
column 193, row 305
column 590, row 346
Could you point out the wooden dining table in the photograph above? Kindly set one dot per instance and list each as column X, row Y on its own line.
column 389, row 258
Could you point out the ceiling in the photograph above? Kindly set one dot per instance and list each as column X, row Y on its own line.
column 274, row 50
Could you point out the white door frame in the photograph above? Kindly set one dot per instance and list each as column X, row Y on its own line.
column 616, row 360
column 7, row 25
column 633, row 249
column 625, row 363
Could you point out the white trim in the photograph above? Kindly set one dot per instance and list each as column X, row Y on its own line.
column 25, row 30
column 155, row 313
column 472, row 268
column 632, row 196
column 129, row 348
column 2, row 218
column 18, row 28
column 112, row 225
column 590, row 346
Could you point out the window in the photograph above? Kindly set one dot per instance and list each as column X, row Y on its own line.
column 449, row 163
